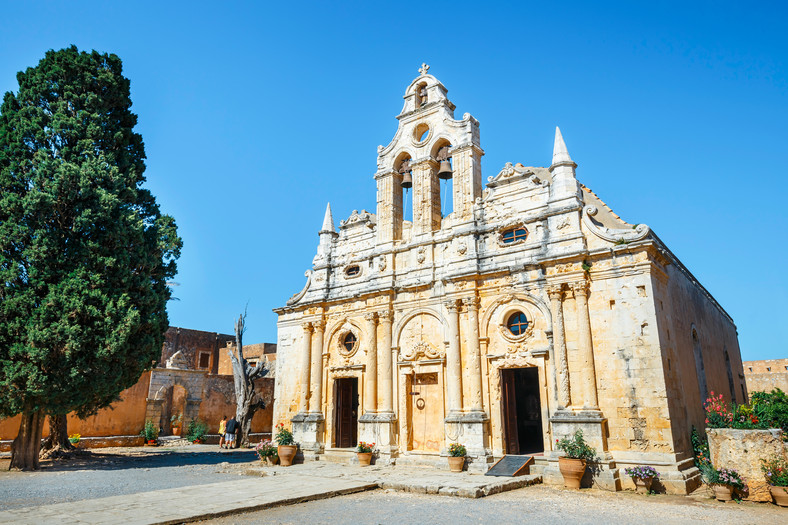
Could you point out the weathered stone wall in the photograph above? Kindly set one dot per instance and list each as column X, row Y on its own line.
column 766, row 375
column 191, row 343
column 743, row 450
column 252, row 353
column 692, row 324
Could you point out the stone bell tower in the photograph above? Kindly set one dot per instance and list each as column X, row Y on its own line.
column 426, row 135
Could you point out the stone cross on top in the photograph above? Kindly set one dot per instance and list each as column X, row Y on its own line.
column 424, row 68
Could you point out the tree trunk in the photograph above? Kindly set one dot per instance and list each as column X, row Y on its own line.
column 24, row 449
column 247, row 402
column 57, row 442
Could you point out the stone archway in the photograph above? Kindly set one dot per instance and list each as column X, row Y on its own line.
column 174, row 389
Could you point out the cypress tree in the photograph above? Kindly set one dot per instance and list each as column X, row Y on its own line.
column 85, row 253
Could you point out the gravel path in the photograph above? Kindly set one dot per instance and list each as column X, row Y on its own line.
column 538, row 504
column 117, row 471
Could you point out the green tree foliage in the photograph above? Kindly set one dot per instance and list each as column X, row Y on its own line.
column 85, row 253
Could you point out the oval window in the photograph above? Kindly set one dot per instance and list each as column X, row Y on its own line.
column 349, row 342
column 517, row 323
column 513, row 235
column 352, row 271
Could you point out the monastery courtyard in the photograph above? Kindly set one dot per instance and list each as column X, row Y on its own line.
column 181, row 484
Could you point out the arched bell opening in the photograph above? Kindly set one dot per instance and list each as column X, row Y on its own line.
column 421, row 95
column 441, row 152
column 403, row 190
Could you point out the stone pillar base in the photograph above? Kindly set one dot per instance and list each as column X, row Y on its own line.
column 308, row 433
column 470, row 429
column 566, row 422
column 380, row 428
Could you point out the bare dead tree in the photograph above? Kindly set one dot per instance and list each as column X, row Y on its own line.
column 247, row 400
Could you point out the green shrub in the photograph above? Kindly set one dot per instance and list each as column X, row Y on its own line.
column 196, row 430
column 771, row 408
column 149, row 432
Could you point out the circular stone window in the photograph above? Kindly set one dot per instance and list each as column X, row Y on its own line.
column 517, row 323
column 421, row 133
column 353, row 270
column 349, row 342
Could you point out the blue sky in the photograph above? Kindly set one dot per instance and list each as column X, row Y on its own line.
column 255, row 114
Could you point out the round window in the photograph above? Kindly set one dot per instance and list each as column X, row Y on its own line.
column 349, row 342
column 517, row 323
column 352, row 271
column 517, row 234
column 421, row 132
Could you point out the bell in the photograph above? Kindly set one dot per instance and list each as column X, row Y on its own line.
column 445, row 170
column 407, row 180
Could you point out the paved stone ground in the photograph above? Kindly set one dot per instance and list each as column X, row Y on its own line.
column 117, row 471
column 537, row 504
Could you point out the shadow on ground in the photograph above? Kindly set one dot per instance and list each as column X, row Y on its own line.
column 133, row 459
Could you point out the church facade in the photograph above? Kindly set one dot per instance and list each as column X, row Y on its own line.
column 501, row 315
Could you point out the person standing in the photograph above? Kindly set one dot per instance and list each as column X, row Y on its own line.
column 230, row 429
column 222, row 430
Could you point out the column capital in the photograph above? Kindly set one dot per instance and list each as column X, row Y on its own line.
column 555, row 291
column 452, row 306
column 319, row 325
column 371, row 316
column 472, row 302
column 580, row 288
column 307, row 326
column 385, row 316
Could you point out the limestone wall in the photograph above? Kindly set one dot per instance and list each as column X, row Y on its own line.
column 743, row 450
column 694, row 328
column 766, row 375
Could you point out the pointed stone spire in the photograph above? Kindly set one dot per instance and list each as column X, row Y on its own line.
column 560, row 153
column 328, row 221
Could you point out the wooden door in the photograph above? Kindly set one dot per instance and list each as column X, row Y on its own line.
column 345, row 412
column 509, row 408
column 426, row 413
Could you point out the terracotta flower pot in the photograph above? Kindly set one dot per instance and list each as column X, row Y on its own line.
column 456, row 463
column 364, row 458
column 780, row 495
column 270, row 461
column 176, row 431
column 572, row 470
column 723, row 492
column 286, row 454
column 643, row 485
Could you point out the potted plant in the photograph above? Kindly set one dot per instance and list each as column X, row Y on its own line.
column 287, row 447
column 150, row 434
column 642, row 476
column 364, row 452
column 457, row 454
column 266, row 451
column 776, row 472
column 723, row 481
column 577, row 455
column 175, row 423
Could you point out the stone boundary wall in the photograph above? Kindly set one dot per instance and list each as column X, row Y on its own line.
column 743, row 450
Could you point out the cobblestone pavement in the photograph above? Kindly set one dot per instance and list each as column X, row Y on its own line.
column 538, row 504
column 117, row 471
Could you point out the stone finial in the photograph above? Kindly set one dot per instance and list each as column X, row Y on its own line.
column 424, row 68
column 328, row 221
column 560, row 154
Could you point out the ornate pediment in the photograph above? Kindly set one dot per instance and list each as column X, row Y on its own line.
column 511, row 173
column 614, row 235
column 358, row 218
column 422, row 349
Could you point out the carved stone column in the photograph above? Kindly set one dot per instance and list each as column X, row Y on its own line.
column 474, row 404
column 306, row 350
column 316, row 375
column 585, row 345
column 371, row 369
column 453, row 365
column 559, row 346
column 385, row 383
